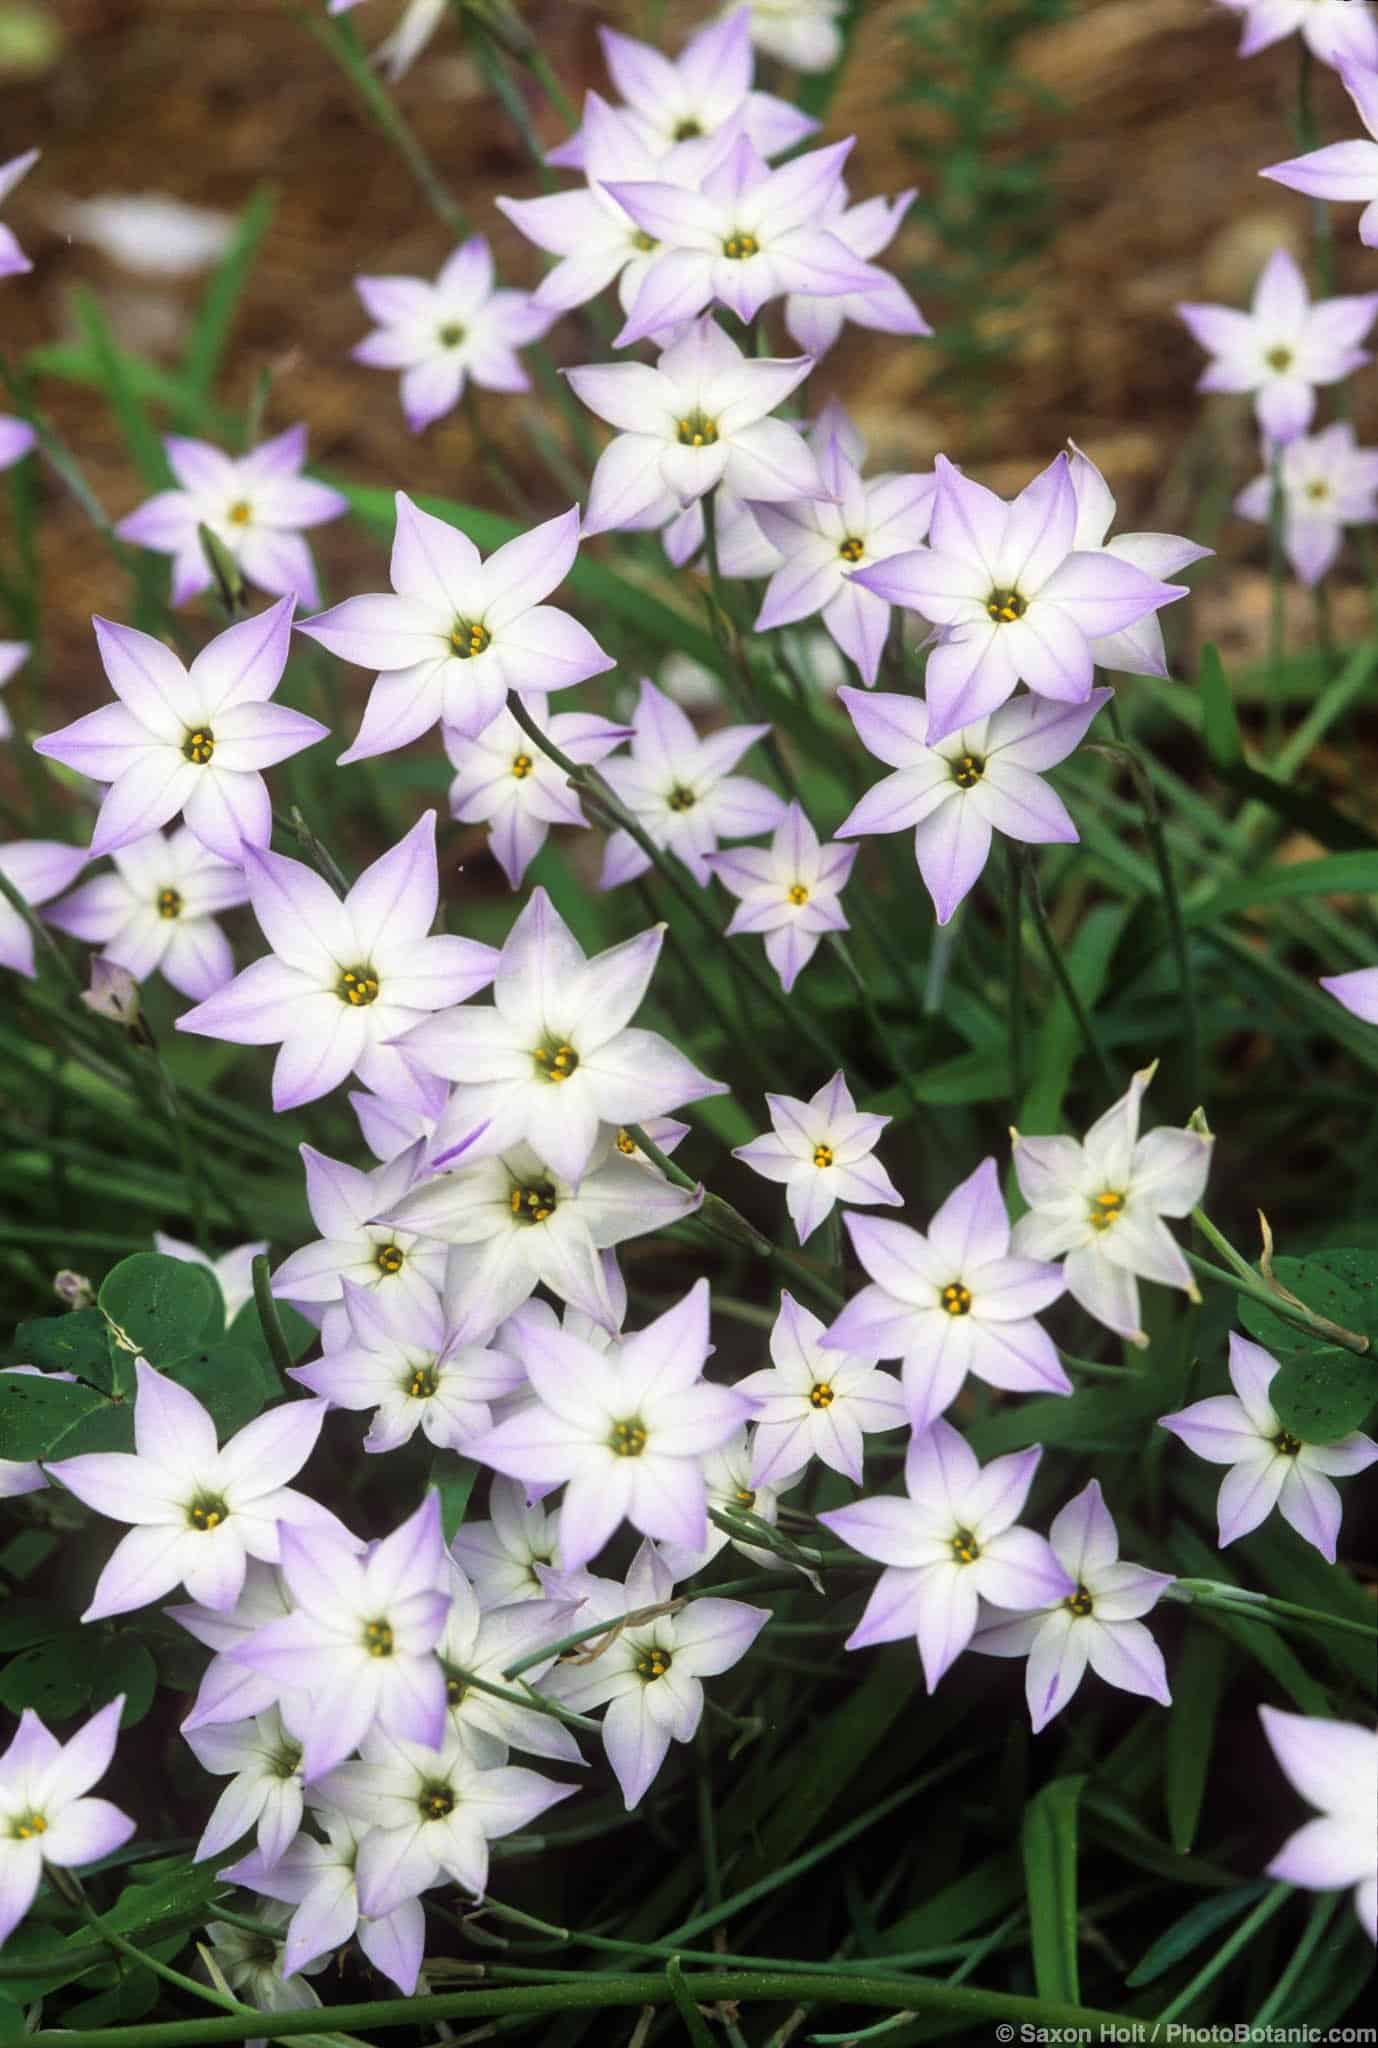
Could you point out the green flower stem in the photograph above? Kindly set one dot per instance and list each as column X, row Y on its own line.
column 634, row 1615
column 1014, row 975
column 734, row 661
column 1245, row 1280
column 1250, row 1606
column 1308, row 138
column 1227, row 1951
column 340, row 39
column 537, row 1702
column 1048, row 941
column 314, row 847
column 1172, row 905
column 1322, row 1913
column 594, row 1994
column 901, row 1068
column 273, row 1334
column 1277, row 580
column 587, row 779
column 538, row 64
column 693, row 2019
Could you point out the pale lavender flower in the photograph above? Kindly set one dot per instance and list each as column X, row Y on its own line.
column 445, row 334
column 344, row 978
column 1102, row 1201
column 1358, row 992
column 352, row 1246
column 1138, row 650
column 254, row 1965
column 625, row 1429
column 1343, row 171
column 1336, row 31
column 743, row 550
column 806, row 34
column 1269, row 1467
column 950, row 1545
column 45, row 1816
column 727, row 1477
column 517, row 1225
column 1098, row 1624
column 13, row 653
column 813, row 1403
column 482, row 1644
column 707, row 88
column 1283, row 347
column 389, row 1124
column 505, row 782
column 17, row 437
column 821, row 1151
column 199, row 1511
column 13, row 261
column 596, row 240
column 695, row 420
column 1334, row 1766
column 682, row 790
column 232, row 1271
column 958, row 791
column 188, row 740
column 748, row 235
column 263, row 1763
column 510, row 1556
column 953, row 1302
column 229, row 1691
column 1328, row 483
column 883, row 305
column 256, row 505
column 150, row 233
column 430, row 1812
column 361, row 1636
column 155, row 912
column 39, row 869
column 556, row 1056
column 650, row 1675
column 318, row 1879
column 459, row 633
column 1017, row 600
column 790, row 892
column 402, row 1361
column 825, row 541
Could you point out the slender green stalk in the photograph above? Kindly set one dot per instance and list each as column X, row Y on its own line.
column 1172, row 905
column 1245, row 1280
column 734, row 663
column 536, row 1702
column 1226, row 1953
column 1322, row 1913
column 269, row 1319
column 1053, row 952
column 1277, row 583
column 1014, row 975
column 1252, row 1606
column 315, row 849
column 594, row 1993
column 697, row 2031
column 636, row 1615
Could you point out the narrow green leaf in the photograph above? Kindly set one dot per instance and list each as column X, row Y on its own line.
column 140, row 437
column 453, row 1479
column 1088, row 959
column 1198, row 1683
column 1049, row 1839
column 1194, row 1927
column 185, row 1889
column 211, row 327
column 1220, row 727
column 1332, row 874
column 694, row 2024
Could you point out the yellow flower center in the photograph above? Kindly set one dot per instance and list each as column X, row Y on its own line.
column 852, row 549
column 199, row 745
column 1079, row 1603
column 1316, row 491
column 821, row 1394
column 28, row 1825
column 798, row 894
column 644, row 242
column 468, row 639
column 1106, row 1208
column 696, row 430
column 169, row 903
column 687, row 130
column 626, row 1144
column 628, row 1439
column 357, row 986
column 957, row 1299
column 965, row 1548
column 389, row 1258
column 1286, row 1443
column 1279, row 359
column 740, row 244
column 746, row 1496
column 822, row 1155
column 207, row 1512
column 422, row 1382
column 967, row 770
column 435, row 1802
column 1005, row 606
column 681, row 799
column 533, row 1203
column 378, row 1638
column 555, row 1062
column 521, row 766
column 653, row 1664
column 451, row 334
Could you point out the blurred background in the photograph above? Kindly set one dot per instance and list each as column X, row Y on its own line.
column 1082, row 165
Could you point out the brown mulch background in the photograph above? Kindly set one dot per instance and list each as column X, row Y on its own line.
column 1157, row 138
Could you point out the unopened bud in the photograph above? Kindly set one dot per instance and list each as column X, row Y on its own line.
column 73, row 1290
column 114, row 993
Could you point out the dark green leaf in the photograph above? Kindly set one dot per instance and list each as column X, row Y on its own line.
column 125, row 1665
column 1220, row 727
column 35, row 1963
column 231, row 1382
column 1321, row 1396
column 1050, row 1882
column 1197, row 1685
column 246, row 1333
column 211, row 327
column 1341, row 1285
column 78, row 1343
column 23, row 1622
column 453, row 1479
column 1194, row 1927
column 54, row 1678
column 140, row 437
column 57, row 1418
column 167, row 1308
column 185, row 1890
